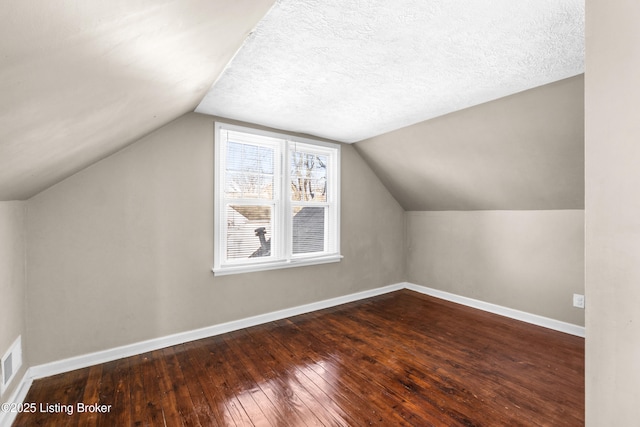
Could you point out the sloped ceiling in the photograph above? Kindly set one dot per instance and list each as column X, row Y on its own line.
column 521, row 152
column 350, row 70
column 80, row 79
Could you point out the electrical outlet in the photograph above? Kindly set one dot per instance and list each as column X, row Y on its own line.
column 578, row 300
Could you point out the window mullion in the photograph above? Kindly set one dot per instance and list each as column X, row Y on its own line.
column 286, row 194
column 279, row 238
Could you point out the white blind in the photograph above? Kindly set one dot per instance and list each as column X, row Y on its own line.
column 250, row 194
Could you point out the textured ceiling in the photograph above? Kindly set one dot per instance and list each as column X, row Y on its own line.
column 80, row 79
column 349, row 70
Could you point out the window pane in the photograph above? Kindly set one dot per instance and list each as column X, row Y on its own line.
column 249, row 231
column 308, row 176
column 308, row 229
column 249, row 158
column 243, row 185
column 249, row 171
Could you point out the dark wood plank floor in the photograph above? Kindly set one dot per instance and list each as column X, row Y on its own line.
column 397, row 359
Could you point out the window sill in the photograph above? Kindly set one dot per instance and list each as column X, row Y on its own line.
column 223, row 271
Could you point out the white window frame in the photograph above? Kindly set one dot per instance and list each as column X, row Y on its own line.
column 282, row 251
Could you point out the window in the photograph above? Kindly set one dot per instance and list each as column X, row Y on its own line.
column 277, row 201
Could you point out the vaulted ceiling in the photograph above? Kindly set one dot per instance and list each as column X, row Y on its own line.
column 82, row 79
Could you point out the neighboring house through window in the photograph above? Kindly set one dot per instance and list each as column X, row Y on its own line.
column 277, row 201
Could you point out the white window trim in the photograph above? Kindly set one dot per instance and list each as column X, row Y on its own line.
column 260, row 264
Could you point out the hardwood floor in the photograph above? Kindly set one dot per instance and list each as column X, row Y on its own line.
column 397, row 359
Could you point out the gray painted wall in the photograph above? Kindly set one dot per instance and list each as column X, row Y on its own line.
column 122, row 251
column 531, row 261
column 612, row 213
column 12, row 281
column 495, row 197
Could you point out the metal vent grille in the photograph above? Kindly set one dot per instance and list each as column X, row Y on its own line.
column 10, row 364
column 7, row 369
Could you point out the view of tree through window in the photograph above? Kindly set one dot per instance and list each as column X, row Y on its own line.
column 308, row 184
column 249, row 175
column 249, row 171
column 308, row 177
column 277, row 198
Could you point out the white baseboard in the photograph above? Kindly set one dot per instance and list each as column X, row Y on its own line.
column 534, row 319
column 83, row 361
column 17, row 397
